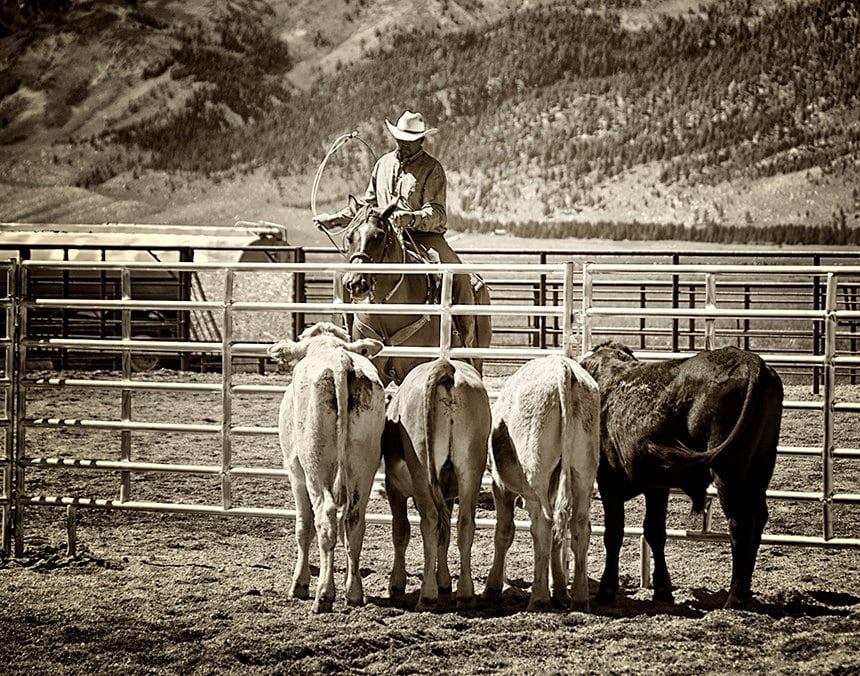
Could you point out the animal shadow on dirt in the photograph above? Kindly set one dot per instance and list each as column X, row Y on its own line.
column 795, row 603
column 515, row 599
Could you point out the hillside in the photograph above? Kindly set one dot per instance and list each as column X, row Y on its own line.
column 741, row 113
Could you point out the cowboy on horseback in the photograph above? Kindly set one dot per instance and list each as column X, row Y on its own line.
column 416, row 182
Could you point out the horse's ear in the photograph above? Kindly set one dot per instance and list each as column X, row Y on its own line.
column 387, row 211
column 352, row 200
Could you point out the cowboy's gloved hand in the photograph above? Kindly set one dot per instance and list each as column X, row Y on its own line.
column 324, row 220
column 402, row 219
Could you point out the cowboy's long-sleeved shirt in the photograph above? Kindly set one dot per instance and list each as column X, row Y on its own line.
column 417, row 183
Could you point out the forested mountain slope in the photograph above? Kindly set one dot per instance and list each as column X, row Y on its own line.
column 734, row 113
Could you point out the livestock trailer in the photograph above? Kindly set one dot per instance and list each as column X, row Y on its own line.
column 247, row 242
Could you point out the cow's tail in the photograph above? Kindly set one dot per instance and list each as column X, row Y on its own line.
column 342, row 479
column 437, row 440
column 564, row 494
column 680, row 454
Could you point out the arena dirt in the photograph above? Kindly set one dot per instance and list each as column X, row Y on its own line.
column 152, row 593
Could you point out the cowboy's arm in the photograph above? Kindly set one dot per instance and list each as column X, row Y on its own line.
column 432, row 216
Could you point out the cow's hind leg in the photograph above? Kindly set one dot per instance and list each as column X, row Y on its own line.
column 304, row 531
column 656, row 503
column 444, row 586
column 613, row 538
column 400, row 535
column 503, row 538
column 580, row 537
column 541, row 530
column 355, row 528
column 326, row 524
column 469, row 485
column 430, row 537
column 746, row 515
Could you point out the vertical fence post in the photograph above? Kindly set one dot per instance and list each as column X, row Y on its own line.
column 644, row 563
column 299, row 294
column 829, row 377
column 676, row 303
column 227, row 392
column 643, row 303
column 445, row 320
column 10, row 368
column 183, row 317
column 710, row 304
column 125, row 401
column 816, row 325
column 18, row 334
column 587, row 292
column 691, row 324
column 541, row 319
column 568, row 342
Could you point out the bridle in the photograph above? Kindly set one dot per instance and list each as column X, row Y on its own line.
column 391, row 234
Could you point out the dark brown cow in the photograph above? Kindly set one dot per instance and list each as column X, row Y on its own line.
column 683, row 424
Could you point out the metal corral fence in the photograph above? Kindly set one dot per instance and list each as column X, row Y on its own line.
column 573, row 307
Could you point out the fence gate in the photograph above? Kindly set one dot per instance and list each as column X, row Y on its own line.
column 585, row 309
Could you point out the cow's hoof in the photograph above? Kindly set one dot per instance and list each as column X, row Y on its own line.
column 580, row 606
column 354, row 603
column 538, row 605
column 396, row 592
column 492, row 595
column 426, row 605
column 300, row 590
column 322, row 605
column 560, row 600
column 446, row 591
column 467, row 602
column 736, row 603
column 663, row 596
column 606, row 596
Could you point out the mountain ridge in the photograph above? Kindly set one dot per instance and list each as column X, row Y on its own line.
column 97, row 95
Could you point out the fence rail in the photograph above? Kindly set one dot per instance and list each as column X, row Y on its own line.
column 568, row 307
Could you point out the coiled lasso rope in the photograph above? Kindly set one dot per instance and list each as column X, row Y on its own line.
column 338, row 142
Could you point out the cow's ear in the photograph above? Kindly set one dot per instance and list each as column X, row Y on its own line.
column 366, row 347
column 286, row 351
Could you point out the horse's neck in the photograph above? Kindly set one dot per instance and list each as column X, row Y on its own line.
column 404, row 288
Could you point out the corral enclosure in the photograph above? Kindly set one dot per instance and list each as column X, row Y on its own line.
column 97, row 443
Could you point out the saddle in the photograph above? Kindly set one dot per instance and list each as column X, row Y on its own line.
column 464, row 327
column 418, row 253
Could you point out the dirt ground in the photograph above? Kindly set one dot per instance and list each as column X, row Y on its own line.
column 157, row 593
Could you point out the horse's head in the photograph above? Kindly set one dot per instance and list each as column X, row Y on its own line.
column 369, row 239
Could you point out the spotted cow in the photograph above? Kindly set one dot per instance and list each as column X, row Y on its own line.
column 331, row 421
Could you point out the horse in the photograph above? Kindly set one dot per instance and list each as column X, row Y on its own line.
column 371, row 237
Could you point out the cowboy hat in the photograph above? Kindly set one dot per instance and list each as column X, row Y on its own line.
column 410, row 127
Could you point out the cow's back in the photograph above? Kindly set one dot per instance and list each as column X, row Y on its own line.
column 336, row 402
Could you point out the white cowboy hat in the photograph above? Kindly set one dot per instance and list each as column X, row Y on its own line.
column 410, row 127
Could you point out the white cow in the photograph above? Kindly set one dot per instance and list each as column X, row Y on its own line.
column 435, row 448
column 330, row 424
column 545, row 448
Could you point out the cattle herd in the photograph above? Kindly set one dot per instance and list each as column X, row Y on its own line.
column 557, row 426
